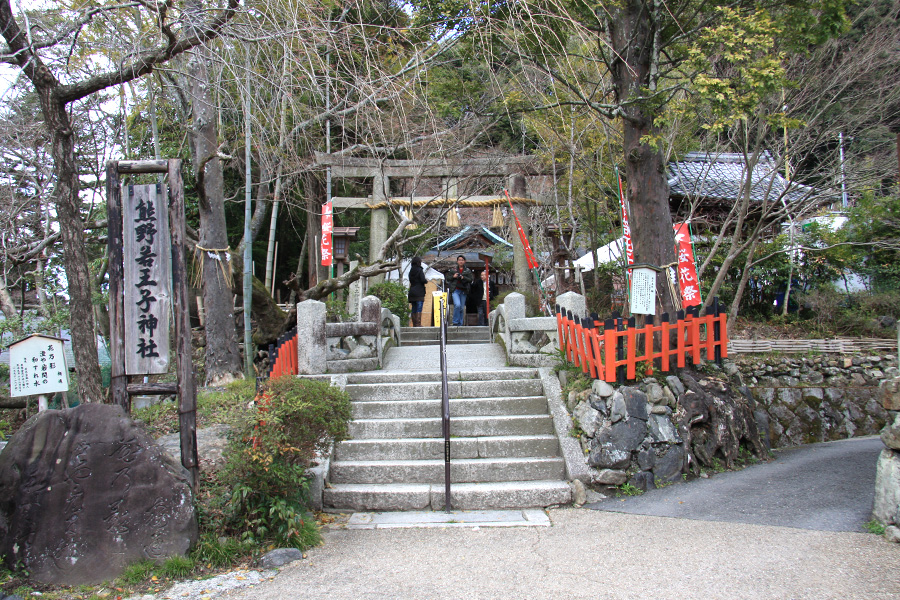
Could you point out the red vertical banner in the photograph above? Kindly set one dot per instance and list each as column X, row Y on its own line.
column 687, row 267
column 626, row 228
column 529, row 255
column 327, row 226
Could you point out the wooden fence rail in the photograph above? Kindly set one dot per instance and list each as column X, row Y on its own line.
column 835, row 345
column 612, row 349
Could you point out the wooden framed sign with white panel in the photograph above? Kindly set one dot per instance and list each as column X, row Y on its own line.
column 148, row 298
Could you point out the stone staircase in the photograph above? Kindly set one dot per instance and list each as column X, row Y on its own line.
column 504, row 452
column 428, row 336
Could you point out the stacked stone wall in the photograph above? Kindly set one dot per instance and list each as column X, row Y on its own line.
column 816, row 398
column 655, row 430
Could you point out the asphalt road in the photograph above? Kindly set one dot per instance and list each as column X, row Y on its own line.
column 787, row 529
column 824, row 487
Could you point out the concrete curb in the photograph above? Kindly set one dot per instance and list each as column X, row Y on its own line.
column 318, row 475
column 576, row 467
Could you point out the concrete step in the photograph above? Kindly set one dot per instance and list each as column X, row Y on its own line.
column 396, row 496
column 424, row 376
column 464, row 470
column 503, row 494
column 545, row 445
column 457, row 342
column 429, row 390
column 459, row 427
column 468, row 407
column 450, row 329
column 463, row 496
column 421, row 336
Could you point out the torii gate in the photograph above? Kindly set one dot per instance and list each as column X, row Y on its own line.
column 514, row 168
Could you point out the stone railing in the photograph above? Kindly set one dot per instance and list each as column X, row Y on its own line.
column 530, row 341
column 343, row 347
column 390, row 329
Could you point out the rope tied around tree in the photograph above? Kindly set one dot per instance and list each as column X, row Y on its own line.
column 200, row 256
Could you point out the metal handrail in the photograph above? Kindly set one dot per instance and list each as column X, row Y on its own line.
column 445, row 402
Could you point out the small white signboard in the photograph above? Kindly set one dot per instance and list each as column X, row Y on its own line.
column 643, row 291
column 37, row 365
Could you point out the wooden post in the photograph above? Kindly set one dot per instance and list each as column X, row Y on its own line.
column 117, row 380
column 717, row 330
column 609, row 350
column 632, row 348
column 187, row 391
column 620, row 350
column 665, row 341
column 561, row 338
column 648, row 341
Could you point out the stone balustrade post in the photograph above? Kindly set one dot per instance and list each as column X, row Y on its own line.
column 311, row 339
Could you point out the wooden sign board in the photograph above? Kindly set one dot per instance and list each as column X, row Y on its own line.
column 37, row 365
column 148, row 297
column 643, row 291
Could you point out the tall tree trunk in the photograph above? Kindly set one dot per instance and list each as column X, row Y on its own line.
column 7, row 305
column 62, row 148
column 632, row 33
column 314, row 194
column 223, row 360
column 742, row 285
column 78, row 275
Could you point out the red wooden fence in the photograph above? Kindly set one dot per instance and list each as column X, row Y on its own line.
column 609, row 349
column 283, row 357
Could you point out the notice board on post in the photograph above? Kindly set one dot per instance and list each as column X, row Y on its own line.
column 148, row 297
column 37, row 366
column 643, row 291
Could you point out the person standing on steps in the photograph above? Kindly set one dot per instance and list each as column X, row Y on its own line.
column 482, row 305
column 416, row 295
column 460, row 281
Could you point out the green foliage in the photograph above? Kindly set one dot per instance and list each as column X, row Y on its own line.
column 737, row 66
column 336, row 311
column 626, row 489
column 827, row 312
column 28, row 323
column 394, row 297
column 874, row 526
column 176, row 567
column 293, row 419
column 875, row 221
column 214, row 406
column 576, row 380
column 217, row 551
column 137, row 572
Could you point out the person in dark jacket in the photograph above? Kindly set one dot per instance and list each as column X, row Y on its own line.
column 482, row 305
column 460, row 279
column 416, row 291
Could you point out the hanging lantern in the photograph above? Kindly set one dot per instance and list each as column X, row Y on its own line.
column 452, row 218
column 497, row 220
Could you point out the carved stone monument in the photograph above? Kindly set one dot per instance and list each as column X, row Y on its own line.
column 84, row 492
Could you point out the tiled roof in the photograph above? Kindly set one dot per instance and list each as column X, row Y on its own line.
column 720, row 176
column 470, row 231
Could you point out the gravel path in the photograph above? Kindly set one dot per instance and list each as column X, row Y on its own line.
column 591, row 554
column 206, row 589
